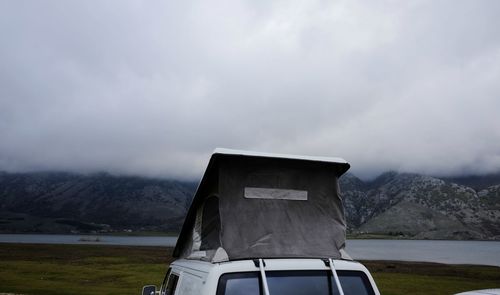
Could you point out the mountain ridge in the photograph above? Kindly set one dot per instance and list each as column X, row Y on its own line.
column 408, row 205
column 439, row 209
column 100, row 201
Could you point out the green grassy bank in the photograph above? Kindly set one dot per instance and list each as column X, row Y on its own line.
column 89, row 269
column 397, row 277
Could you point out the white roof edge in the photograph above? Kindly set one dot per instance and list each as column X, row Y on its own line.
column 271, row 264
column 282, row 156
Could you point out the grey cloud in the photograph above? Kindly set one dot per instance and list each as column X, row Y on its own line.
column 152, row 87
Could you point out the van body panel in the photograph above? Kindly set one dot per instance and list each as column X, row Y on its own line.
column 189, row 284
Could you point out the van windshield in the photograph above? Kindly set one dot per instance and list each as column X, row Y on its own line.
column 303, row 282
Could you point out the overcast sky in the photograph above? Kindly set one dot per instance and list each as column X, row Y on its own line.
column 152, row 87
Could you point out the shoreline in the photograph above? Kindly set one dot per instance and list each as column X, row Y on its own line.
column 111, row 234
column 173, row 235
column 442, row 251
column 169, row 249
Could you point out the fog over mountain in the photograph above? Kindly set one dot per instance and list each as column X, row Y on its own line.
column 396, row 204
column 151, row 88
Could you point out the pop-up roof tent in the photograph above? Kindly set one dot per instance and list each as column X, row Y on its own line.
column 254, row 205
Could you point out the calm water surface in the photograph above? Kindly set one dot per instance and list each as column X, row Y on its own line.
column 451, row 252
column 88, row 239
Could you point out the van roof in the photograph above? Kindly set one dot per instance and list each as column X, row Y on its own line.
column 271, row 265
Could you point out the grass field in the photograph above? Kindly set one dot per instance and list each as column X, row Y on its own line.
column 431, row 278
column 89, row 269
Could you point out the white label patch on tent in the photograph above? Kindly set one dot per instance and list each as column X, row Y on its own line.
column 275, row 194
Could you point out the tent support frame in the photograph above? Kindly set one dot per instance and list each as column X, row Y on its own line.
column 335, row 276
column 261, row 264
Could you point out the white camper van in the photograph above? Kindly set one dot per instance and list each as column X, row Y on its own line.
column 265, row 224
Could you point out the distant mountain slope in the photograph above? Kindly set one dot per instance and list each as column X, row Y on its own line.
column 421, row 207
column 477, row 182
column 61, row 202
column 412, row 205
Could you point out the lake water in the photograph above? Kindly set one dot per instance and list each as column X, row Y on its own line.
column 451, row 252
column 88, row 239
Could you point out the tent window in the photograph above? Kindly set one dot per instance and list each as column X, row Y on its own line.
column 275, row 194
column 210, row 224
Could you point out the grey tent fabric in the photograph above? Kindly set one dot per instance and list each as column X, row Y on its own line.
column 210, row 224
column 265, row 206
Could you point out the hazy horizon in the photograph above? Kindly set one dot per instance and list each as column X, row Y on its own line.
column 197, row 178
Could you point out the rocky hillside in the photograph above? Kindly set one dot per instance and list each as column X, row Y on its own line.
column 421, row 206
column 398, row 204
column 62, row 202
